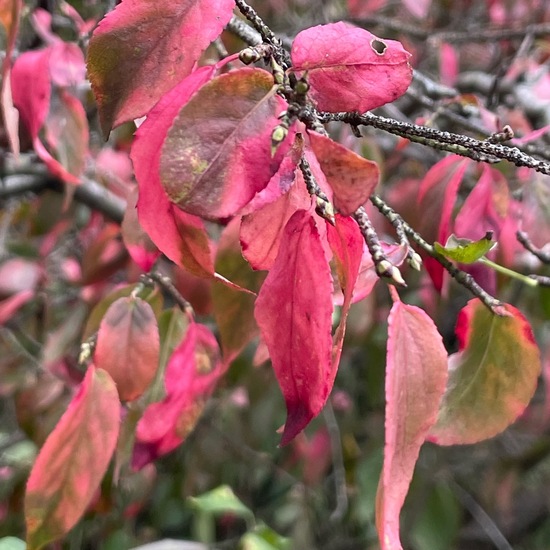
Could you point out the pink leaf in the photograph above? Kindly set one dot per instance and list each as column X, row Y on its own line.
column 293, row 311
column 128, row 346
column 491, row 378
column 72, row 462
column 352, row 177
column 367, row 276
column 217, row 154
column 419, row 8
column 31, row 86
column 67, row 134
column 11, row 305
column 346, row 242
column 191, row 376
column 143, row 48
column 282, row 181
column 18, row 274
column 350, row 69
column 416, row 373
column 67, row 65
column 180, row 236
column 436, row 199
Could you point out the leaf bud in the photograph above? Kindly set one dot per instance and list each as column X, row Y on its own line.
column 278, row 136
column 325, row 210
column 415, row 261
column 387, row 270
column 301, row 87
column 249, row 55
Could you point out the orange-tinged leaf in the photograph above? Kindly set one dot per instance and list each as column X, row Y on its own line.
column 351, row 177
column 128, row 346
column 72, row 462
column 293, row 311
column 492, row 377
column 416, row 373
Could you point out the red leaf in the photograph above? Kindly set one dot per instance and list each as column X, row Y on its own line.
column 486, row 207
column 262, row 230
column 217, row 154
column 128, row 346
column 352, row 177
column 143, row 48
column 282, row 181
column 31, row 86
column 350, row 69
column 436, row 199
column 293, row 311
column 191, row 376
column 491, row 379
column 72, row 462
column 180, row 236
column 346, row 242
column 416, row 373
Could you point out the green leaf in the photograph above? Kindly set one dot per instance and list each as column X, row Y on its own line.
column 438, row 523
column 465, row 251
column 219, row 501
column 264, row 538
column 12, row 543
column 491, row 379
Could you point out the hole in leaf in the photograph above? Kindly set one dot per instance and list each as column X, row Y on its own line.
column 378, row 46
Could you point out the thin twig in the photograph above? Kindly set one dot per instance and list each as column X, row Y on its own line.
column 383, row 266
column 339, row 469
column 323, row 206
column 465, row 279
column 89, row 192
column 268, row 36
column 167, row 284
column 454, row 143
column 482, row 517
column 527, row 243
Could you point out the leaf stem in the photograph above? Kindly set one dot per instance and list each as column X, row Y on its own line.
column 509, row 272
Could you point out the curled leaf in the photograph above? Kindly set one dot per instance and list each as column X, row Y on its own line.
column 465, row 251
